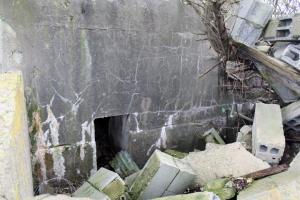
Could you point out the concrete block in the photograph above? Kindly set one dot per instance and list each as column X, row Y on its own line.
column 253, row 15
column 15, row 160
column 283, row 186
column 193, row 196
column 245, row 32
column 129, row 180
column 105, row 181
column 268, row 141
column 219, row 161
column 255, row 11
column 245, row 137
column 291, row 55
column 161, row 176
column 291, row 118
column 283, row 29
column 123, row 164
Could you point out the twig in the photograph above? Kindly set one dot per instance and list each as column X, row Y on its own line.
column 210, row 69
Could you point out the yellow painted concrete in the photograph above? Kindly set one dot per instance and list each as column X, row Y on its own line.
column 15, row 164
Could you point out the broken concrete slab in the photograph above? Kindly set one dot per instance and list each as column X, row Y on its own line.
column 268, row 141
column 193, row 196
column 291, row 118
column 161, row 176
column 219, row 161
column 104, row 181
column 245, row 137
column 15, row 164
column 283, row 186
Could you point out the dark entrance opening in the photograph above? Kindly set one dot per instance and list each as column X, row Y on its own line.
column 110, row 136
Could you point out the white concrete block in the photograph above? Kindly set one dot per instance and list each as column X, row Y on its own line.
column 268, row 141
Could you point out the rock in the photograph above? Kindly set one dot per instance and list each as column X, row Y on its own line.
column 15, row 164
column 245, row 137
column 162, row 175
column 221, row 188
column 105, row 181
column 193, row 196
column 219, row 161
column 268, row 141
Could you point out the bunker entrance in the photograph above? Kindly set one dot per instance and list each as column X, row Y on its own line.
column 110, row 136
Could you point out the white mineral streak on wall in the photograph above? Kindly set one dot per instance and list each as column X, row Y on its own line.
column 162, row 140
column 93, row 144
column 138, row 130
column 58, row 159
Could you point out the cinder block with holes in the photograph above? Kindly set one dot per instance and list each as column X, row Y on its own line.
column 286, row 28
column 291, row 55
column 268, row 141
column 291, row 118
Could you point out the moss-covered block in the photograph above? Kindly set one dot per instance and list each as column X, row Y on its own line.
column 105, row 181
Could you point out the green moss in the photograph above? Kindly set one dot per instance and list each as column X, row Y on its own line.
column 144, row 178
column 115, row 189
column 176, row 154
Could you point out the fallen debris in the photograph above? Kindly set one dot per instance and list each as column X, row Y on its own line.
column 253, row 15
column 221, row 187
column 123, row 164
column 283, row 29
column 176, row 154
column 129, row 180
column 245, row 137
column 212, row 136
column 268, row 141
column 291, row 118
column 219, row 161
column 192, row 196
column 295, row 164
column 103, row 183
column 267, row 172
column 162, row 175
